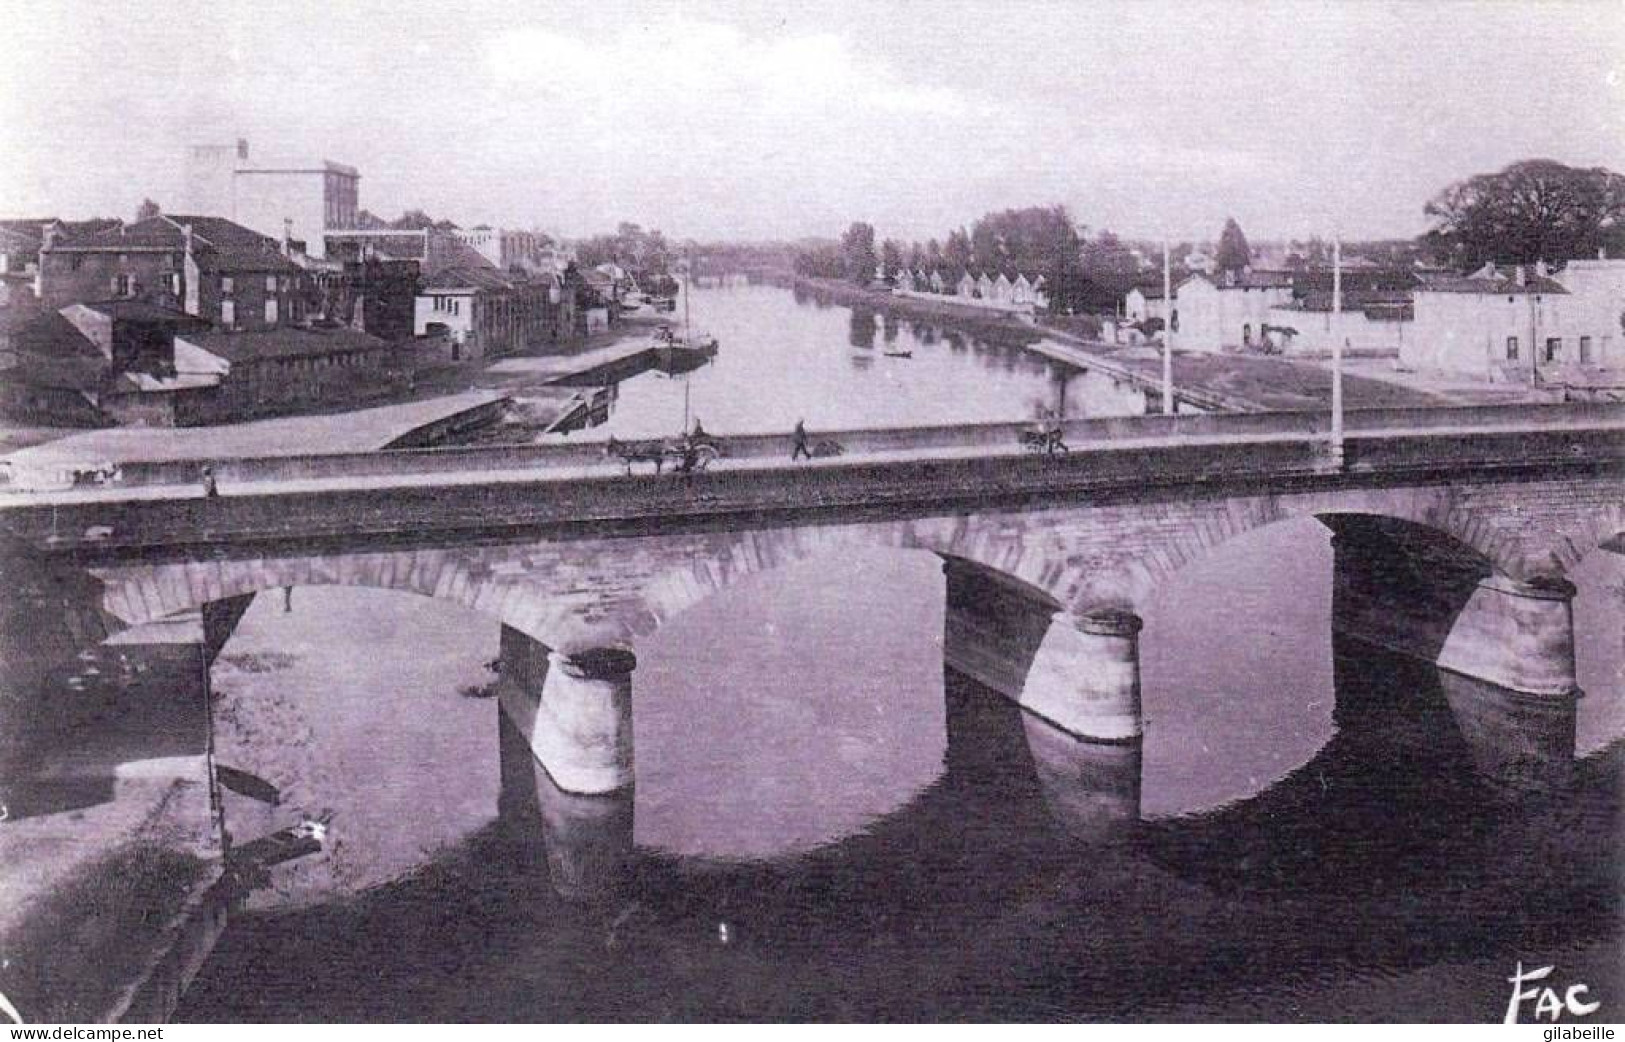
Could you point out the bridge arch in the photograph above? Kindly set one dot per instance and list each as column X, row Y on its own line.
column 1165, row 540
column 1009, row 551
column 496, row 586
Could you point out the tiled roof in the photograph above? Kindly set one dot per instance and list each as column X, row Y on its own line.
column 461, row 279
column 282, row 343
column 141, row 311
column 70, row 372
column 219, row 244
column 1444, row 282
column 47, row 333
column 26, row 230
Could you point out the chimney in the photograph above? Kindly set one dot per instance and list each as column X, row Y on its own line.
column 287, row 236
column 186, row 240
column 48, row 238
column 1519, row 276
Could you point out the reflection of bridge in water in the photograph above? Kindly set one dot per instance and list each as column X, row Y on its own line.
column 1021, row 878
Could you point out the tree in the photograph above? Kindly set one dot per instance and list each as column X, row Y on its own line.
column 1234, row 254
column 1535, row 210
column 1036, row 240
column 412, row 221
column 1109, row 261
column 147, row 210
column 958, row 251
column 916, row 256
column 858, row 253
column 933, row 253
column 891, row 258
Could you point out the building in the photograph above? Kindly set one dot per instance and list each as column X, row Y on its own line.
column 1143, row 303
column 1593, row 312
column 302, row 201
column 270, row 372
column 376, row 296
column 207, row 267
column 479, row 312
column 1313, row 327
column 504, row 248
column 1212, row 313
column 133, row 363
column 1523, row 325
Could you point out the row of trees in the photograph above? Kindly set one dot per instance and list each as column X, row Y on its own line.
column 1038, row 240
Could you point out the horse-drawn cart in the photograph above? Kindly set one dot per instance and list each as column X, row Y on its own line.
column 686, row 455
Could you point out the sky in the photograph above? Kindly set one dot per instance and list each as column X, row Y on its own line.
column 775, row 120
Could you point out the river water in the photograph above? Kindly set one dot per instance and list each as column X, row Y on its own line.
column 787, row 356
column 818, row 833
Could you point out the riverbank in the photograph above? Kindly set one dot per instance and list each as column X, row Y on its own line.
column 993, row 329
column 1225, row 382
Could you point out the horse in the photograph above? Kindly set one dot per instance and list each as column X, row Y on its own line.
column 1048, row 441
column 630, row 452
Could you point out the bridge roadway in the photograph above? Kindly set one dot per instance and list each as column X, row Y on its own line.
column 486, row 489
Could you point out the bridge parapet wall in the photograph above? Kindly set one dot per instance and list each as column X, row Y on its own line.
column 915, row 440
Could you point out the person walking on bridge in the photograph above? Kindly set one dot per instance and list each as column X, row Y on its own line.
column 210, row 488
column 800, row 437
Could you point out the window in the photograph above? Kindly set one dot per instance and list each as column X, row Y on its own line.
column 1585, row 350
column 1554, row 348
column 228, row 314
column 175, row 284
column 1512, row 349
column 270, row 312
column 227, row 284
column 1247, row 333
column 270, row 283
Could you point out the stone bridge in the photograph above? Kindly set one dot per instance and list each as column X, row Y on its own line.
column 1453, row 536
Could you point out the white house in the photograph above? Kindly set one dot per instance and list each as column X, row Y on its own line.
column 1144, row 302
column 1211, row 314
column 1519, row 325
column 1594, row 312
column 1312, row 327
column 1029, row 291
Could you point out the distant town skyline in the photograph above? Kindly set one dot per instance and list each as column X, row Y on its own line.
column 745, row 121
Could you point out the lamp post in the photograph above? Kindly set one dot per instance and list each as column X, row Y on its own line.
column 1337, row 350
column 1167, row 333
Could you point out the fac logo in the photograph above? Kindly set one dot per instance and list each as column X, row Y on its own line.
column 1548, row 1003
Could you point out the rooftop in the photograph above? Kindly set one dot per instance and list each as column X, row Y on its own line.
column 464, row 280
column 218, row 243
column 1484, row 282
column 282, row 343
column 125, row 310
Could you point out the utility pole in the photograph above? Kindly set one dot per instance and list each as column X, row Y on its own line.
column 1337, row 350
column 1167, row 333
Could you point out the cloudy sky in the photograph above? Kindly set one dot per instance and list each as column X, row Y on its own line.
column 767, row 120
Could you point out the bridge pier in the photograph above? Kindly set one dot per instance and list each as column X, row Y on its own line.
column 1421, row 599
column 574, row 709
column 1089, row 790
column 587, row 840
column 1080, row 672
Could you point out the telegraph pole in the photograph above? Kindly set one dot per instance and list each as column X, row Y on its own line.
column 1337, row 350
column 1167, row 333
